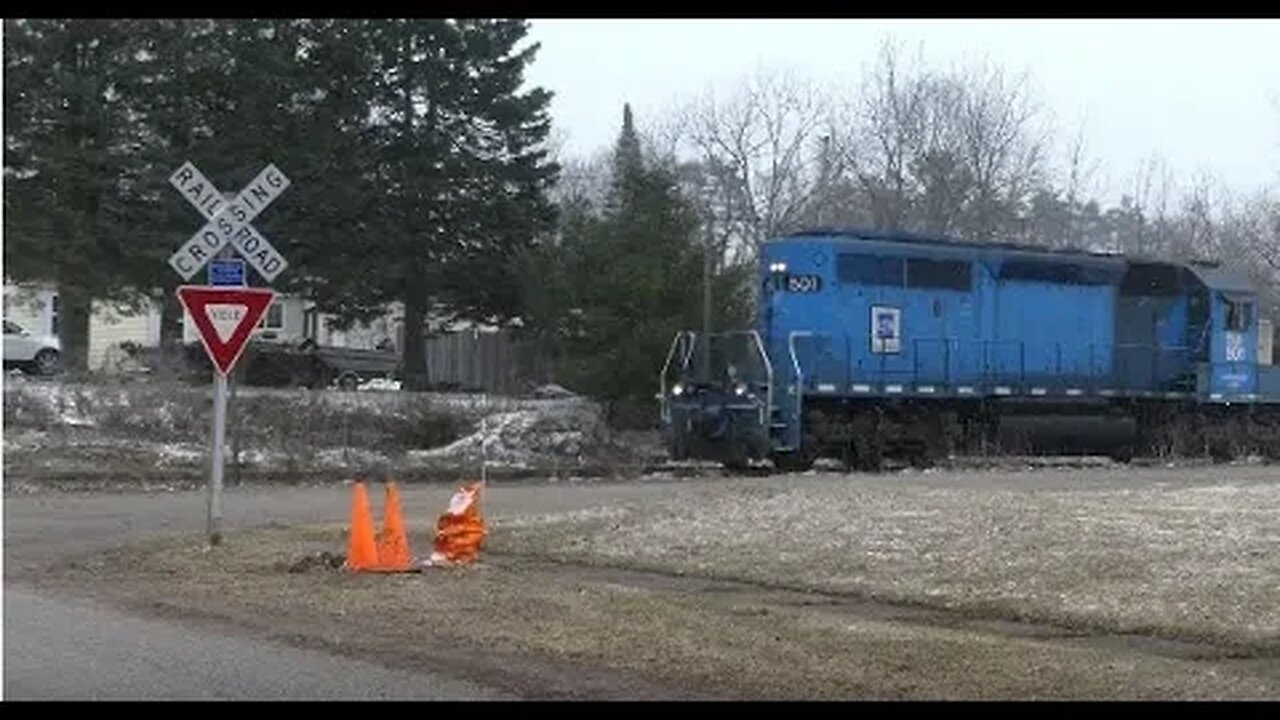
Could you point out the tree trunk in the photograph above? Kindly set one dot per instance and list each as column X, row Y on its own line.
column 171, row 358
column 414, row 353
column 170, row 319
column 74, row 308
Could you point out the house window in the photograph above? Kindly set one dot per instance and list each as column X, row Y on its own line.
column 273, row 318
column 311, row 324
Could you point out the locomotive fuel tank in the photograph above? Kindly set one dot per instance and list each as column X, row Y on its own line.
column 1065, row 434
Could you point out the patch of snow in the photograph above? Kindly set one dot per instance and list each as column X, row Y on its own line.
column 175, row 454
column 264, row 458
column 17, row 440
column 337, row 458
column 520, row 437
column 167, row 423
column 552, row 390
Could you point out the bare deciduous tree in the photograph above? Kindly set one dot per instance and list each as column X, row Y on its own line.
column 881, row 130
column 584, row 180
column 1080, row 188
column 1249, row 239
column 1003, row 146
column 958, row 152
column 752, row 158
column 1152, row 231
column 1196, row 233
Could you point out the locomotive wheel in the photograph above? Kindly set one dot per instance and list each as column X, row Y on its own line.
column 793, row 461
column 799, row 461
column 1122, row 454
column 1221, row 451
column 870, row 463
column 922, row 457
column 868, row 456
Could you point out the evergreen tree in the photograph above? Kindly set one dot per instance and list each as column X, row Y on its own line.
column 628, row 160
column 455, row 181
column 72, row 166
column 624, row 278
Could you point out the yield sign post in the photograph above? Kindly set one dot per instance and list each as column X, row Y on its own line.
column 225, row 317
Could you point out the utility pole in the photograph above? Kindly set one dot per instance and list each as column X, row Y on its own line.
column 824, row 194
column 706, row 295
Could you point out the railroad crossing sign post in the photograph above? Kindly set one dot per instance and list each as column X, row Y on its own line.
column 226, row 310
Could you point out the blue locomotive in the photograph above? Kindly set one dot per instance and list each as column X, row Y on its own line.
column 871, row 345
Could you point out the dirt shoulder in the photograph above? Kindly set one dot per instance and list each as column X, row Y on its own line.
column 563, row 629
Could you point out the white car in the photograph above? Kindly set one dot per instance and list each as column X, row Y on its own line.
column 33, row 354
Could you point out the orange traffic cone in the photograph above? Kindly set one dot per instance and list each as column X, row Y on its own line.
column 393, row 543
column 362, row 552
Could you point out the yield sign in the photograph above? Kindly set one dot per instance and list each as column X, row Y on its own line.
column 225, row 317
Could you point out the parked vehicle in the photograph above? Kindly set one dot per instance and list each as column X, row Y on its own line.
column 33, row 354
column 307, row 364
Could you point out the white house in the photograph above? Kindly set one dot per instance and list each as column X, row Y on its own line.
column 290, row 319
column 35, row 308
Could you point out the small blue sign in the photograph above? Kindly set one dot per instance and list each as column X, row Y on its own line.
column 227, row 272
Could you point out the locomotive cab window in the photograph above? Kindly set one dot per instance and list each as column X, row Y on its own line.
column 938, row 274
column 1238, row 314
column 859, row 269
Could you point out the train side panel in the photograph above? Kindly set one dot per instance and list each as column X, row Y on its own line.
column 908, row 320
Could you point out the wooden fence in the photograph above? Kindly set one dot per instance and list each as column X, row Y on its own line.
column 484, row 362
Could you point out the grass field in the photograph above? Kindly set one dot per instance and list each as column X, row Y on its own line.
column 1082, row 584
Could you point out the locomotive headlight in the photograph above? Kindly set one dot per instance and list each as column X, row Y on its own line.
column 778, row 267
column 677, row 389
column 740, row 389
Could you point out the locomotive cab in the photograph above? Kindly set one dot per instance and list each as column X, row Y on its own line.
column 1233, row 366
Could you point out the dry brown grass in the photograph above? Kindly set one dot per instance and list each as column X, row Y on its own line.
column 744, row 644
column 1183, row 561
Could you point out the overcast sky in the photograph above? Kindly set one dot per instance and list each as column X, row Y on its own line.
column 1204, row 94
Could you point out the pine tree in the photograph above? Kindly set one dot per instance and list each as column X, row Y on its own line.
column 623, row 280
column 628, row 160
column 455, row 178
column 72, row 168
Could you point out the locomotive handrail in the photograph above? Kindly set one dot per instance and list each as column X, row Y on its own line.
column 662, row 378
column 767, row 417
column 795, row 363
column 930, row 360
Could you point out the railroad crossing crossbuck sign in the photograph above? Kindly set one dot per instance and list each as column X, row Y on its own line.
column 228, row 222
